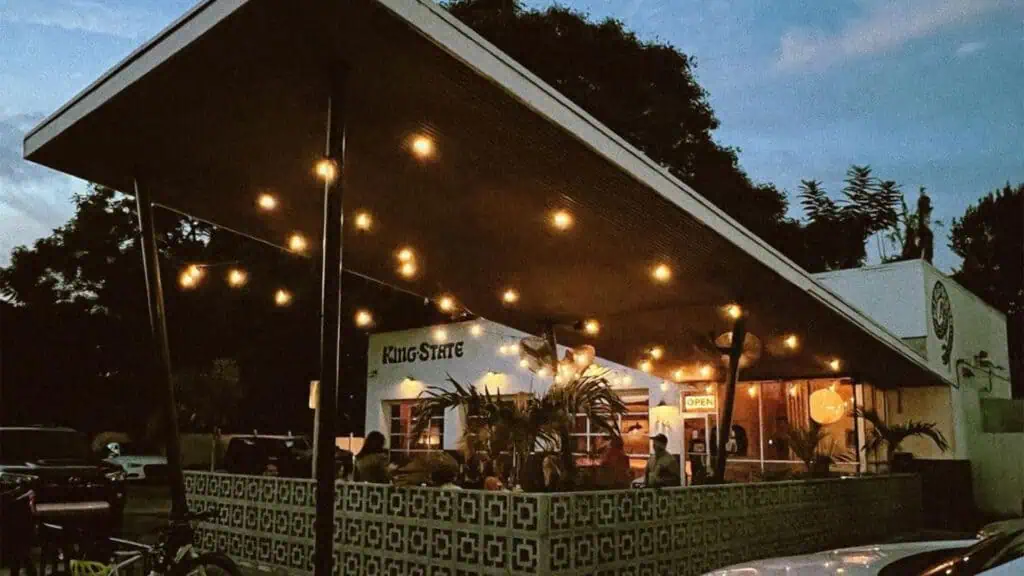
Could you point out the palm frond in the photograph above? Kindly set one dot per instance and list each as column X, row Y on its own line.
column 816, row 204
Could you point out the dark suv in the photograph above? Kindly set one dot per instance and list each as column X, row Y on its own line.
column 71, row 486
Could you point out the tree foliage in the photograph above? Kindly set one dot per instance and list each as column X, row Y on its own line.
column 891, row 436
column 990, row 239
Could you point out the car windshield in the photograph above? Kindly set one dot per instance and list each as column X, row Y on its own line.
column 33, row 445
column 977, row 558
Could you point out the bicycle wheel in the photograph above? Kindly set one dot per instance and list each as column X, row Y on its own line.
column 209, row 564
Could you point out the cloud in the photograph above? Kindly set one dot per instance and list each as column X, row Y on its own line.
column 33, row 199
column 92, row 16
column 886, row 24
column 968, row 48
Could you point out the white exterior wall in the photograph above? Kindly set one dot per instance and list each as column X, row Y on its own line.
column 481, row 365
column 891, row 294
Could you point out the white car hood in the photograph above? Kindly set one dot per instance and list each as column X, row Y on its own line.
column 859, row 561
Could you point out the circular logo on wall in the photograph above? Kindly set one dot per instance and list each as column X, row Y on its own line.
column 942, row 319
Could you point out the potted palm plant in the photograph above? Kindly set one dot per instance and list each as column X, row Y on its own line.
column 807, row 445
column 891, row 436
column 546, row 422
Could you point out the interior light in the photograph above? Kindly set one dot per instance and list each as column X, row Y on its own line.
column 440, row 334
column 792, row 342
column 561, row 219
column 662, row 273
column 646, row 366
column 422, row 147
column 510, row 296
column 706, row 371
column 364, row 318
column 237, row 277
column 405, row 255
column 408, row 269
column 327, row 170
column 793, row 392
column 752, row 391
column 475, row 330
column 297, row 243
column 446, row 303
column 835, row 364
column 364, row 221
column 266, row 202
column 592, row 327
column 657, row 352
column 282, row 297
column 734, row 311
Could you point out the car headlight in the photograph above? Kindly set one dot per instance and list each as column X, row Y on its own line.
column 115, row 475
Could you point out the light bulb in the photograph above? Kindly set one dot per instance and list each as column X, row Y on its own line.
column 510, row 296
column 662, row 273
column 186, row 280
column 282, row 297
column 327, row 170
column 237, row 277
column 706, row 371
column 440, row 334
column 734, row 311
column 297, row 243
column 792, row 342
column 561, row 219
column 708, row 389
column 835, row 364
column 363, row 318
column 678, row 375
column 544, row 372
column 266, row 202
column 195, row 271
column 524, row 363
column 752, row 391
column 513, row 348
column 446, row 303
column 422, row 147
column 657, row 352
column 405, row 255
column 592, row 327
column 363, row 221
column 646, row 366
column 475, row 330
column 408, row 269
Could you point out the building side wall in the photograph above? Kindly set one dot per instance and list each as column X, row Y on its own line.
column 892, row 295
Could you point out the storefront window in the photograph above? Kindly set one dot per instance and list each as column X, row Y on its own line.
column 831, row 405
column 784, row 406
column 402, row 420
column 744, row 442
column 634, row 426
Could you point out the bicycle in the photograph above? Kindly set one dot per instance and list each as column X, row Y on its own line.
column 172, row 555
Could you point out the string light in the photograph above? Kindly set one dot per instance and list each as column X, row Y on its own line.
column 195, row 271
column 237, row 277
column 327, row 170
column 544, row 372
column 513, row 348
column 297, row 243
column 503, row 349
column 364, row 318
column 678, row 375
column 561, row 219
column 734, row 311
column 708, row 389
column 422, row 147
column 791, row 342
column 627, row 380
column 446, row 303
column 266, row 202
column 524, row 363
column 405, row 254
column 752, row 391
column 656, row 352
column 475, row 330
column 364, row 221
column 282, row 297
column 510, row 296
column 408, row 269
column 186, row 280
column 592, row 327
column 646, row 366
column 662, row 273
column 664, row 386
column 706, row 371
column 440, row 334
column 835, row 364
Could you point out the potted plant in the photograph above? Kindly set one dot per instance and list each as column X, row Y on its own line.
column 891, row 436
column 806, row 444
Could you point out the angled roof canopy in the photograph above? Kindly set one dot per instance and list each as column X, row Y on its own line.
column 230, row 102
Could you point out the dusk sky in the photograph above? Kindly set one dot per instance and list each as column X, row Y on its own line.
column 928, row 92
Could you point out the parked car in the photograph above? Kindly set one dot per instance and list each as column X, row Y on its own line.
column 138, row 464
column 72, row 485
column 999, row 554
column 286, row 455
column 17, row 510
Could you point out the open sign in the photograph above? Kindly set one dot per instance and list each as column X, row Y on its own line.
column 703, row 403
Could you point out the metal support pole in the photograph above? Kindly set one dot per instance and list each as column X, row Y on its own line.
column 330, row 327
column 739, row 334
column 162, row 356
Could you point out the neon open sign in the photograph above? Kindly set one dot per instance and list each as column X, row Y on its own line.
column 699, row 403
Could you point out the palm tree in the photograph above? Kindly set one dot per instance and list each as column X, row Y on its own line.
column 804, row 443
column 501, row 425
column 892, row 435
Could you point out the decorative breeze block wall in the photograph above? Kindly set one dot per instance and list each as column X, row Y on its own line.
column 386, row 530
